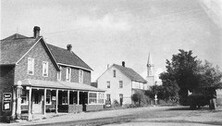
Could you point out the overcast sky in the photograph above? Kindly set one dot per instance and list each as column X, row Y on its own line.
column 111, row 31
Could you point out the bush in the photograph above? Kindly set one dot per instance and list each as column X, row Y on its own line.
column 115, row 103
column 140, row 99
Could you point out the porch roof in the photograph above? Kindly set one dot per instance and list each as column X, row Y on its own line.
column 59, row 85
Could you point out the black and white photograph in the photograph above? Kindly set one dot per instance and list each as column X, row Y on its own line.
column 111, row 63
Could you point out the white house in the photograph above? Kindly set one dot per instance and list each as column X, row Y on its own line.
column 120, row 82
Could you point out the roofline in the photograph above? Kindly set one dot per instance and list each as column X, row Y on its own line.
column 74, row 66
column 28, row 51
column 103, row 73
column 128, row 76
column 29, row 85
column 33, row 47
column 51, row 54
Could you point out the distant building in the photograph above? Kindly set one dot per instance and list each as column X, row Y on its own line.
column 37, row 78
column 150, row 72
column 120, row 82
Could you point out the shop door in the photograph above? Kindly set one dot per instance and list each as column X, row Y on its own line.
column 37, row 102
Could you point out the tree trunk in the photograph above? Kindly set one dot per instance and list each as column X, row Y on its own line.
column 212, row 105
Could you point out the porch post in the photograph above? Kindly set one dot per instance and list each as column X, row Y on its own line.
column 87, row 97
column 77, row 97
column 68, row 96
column 44, row 102
column 19, row 93
column 30, row 104
column 97, row 97
column 57, row 94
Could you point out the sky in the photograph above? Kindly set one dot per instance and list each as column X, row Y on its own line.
column 104, row 32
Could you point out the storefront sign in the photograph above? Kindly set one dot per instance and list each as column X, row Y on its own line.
column 7, row 98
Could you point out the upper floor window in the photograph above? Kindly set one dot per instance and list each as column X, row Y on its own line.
column 80, row 76
column 114, row 73
column 108, row 84
column 31, row 66
column 120, row 84
column 45, row 68
column 68, row 74
column 59, row 73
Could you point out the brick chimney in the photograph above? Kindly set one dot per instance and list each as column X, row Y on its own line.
column 36, row 31
column 69, row 47
column 123, row 63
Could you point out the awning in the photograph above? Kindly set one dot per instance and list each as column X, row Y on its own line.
column 59, row 85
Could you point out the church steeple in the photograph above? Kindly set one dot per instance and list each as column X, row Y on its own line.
column 150, row 66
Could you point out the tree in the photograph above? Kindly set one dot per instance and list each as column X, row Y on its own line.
column 181, row 72
column 210, row 80
column 170, row 88
column 185, row 73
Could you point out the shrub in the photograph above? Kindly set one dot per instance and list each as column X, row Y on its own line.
column 140, row 99
column 115, row 103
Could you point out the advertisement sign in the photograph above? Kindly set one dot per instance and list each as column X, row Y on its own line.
column 7, row 98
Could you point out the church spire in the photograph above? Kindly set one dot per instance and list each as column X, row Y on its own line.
column 150, row 66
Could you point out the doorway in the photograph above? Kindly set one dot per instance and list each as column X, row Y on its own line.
column 37, row 101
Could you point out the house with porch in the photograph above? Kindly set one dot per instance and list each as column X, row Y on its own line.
column 37, row 78
column 120, row 83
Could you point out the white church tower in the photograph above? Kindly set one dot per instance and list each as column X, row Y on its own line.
column 150, row 72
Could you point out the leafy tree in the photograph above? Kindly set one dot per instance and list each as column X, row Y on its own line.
column 170, row 88
column 210, row 80
column 185, row 73
column 182, row 72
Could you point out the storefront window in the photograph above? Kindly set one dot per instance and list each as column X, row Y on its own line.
column 64, row 100
column 48, row 98
column 92, row 98
column 101, row 98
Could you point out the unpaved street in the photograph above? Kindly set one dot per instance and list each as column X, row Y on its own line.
column 146, row 116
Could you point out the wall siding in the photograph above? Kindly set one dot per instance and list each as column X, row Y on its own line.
column 87, row 77
column 39, row 54
column 114, row 89
column 75, row 75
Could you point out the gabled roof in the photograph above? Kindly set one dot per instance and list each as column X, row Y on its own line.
column 65, row 57
column 14, row 47
column 130, row 73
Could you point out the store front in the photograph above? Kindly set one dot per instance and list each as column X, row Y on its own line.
column 58, row 98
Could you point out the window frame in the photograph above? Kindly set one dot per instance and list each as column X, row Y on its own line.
column 81, row 74
column 120, row 84
column 101, row 97
column 68, row 74
column 30, row 66
column 64, row 98
column 108, row 85
column 45, row 66
column 114, row 73
column 93, row 98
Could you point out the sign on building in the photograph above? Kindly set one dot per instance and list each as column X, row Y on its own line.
column 7, row 98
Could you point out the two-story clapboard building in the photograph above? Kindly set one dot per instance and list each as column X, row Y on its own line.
column 120, row 83
column 37, row 77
